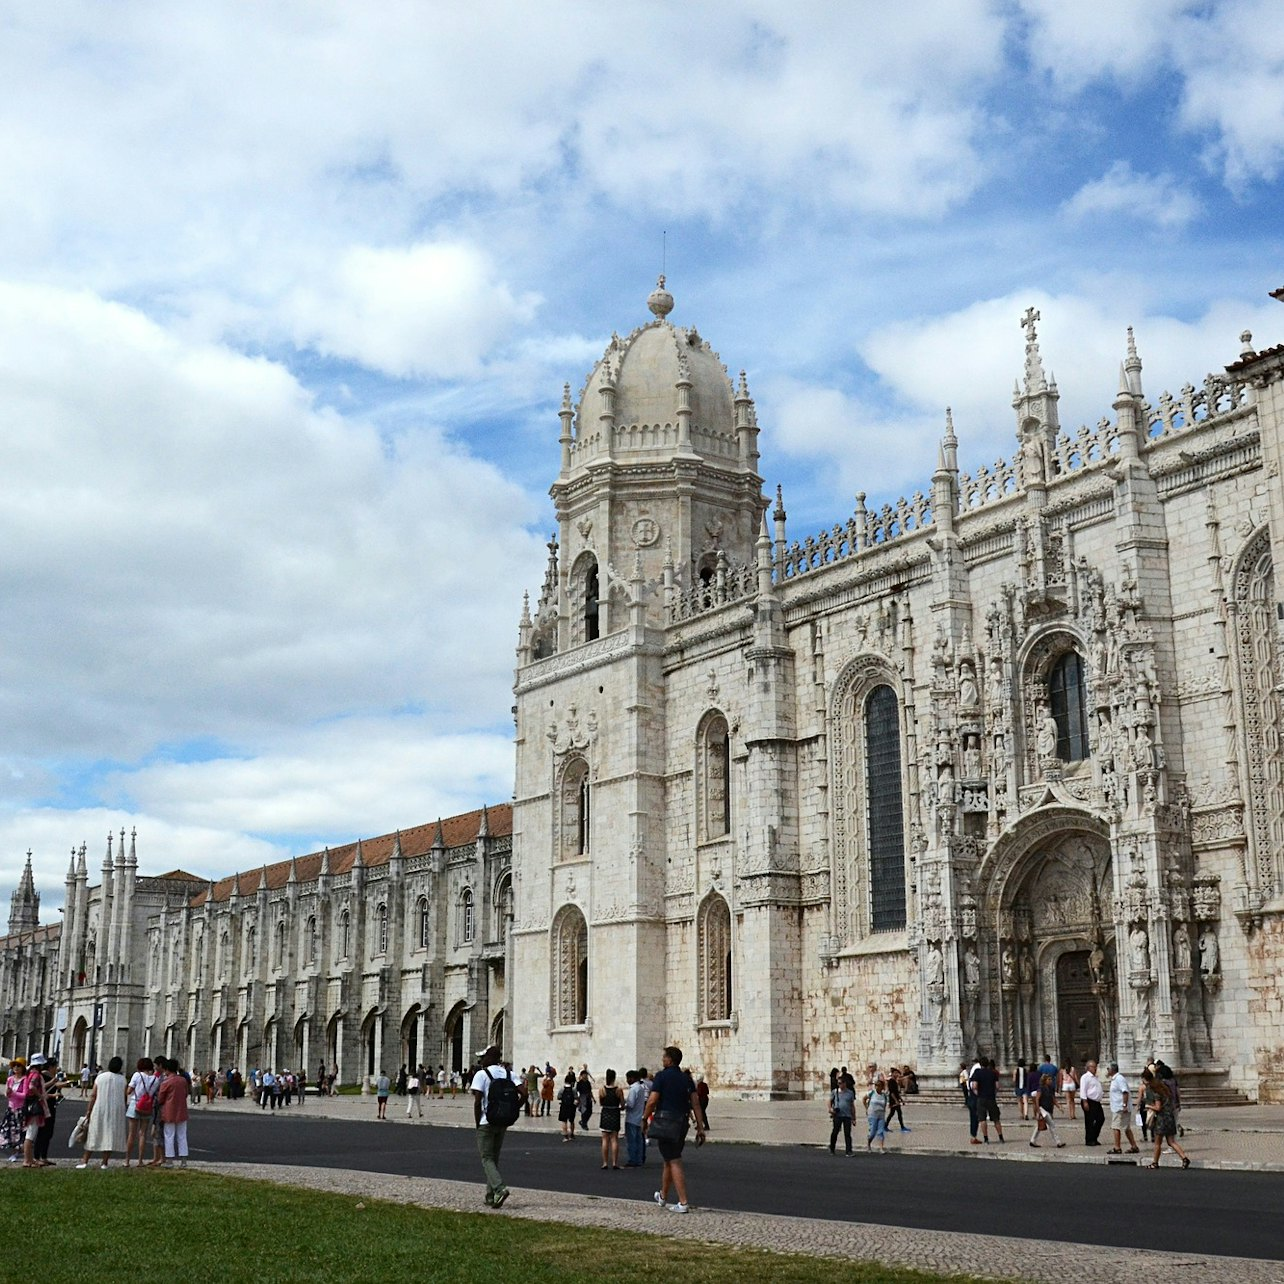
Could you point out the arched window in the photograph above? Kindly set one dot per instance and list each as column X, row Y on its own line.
column 280, row 945
column 884, row 817
column 251, row 948
column 715, row 959
column 345, row 924
column 592, row 604
column 1067, row 705
column 466, row 916
column 570, row 967
column 224, row 941
column 504, row 907
column 575, row 810
column 381, row 930
column 715, row 778
column 424, row 922
column 310, row 941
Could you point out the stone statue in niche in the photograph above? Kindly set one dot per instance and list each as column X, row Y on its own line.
column 972, row 759
column 1138, row 950
column 1208, row 952
column 1047, row 743
column 1027, row 968
column 1097, row 964
column 935, row 967
column 968, row 695
column 994, row 687
column 971, row 970
column 1181, row 948
column 1008, row 965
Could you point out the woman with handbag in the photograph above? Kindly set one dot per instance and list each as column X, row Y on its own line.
column 1157, row 1102
column 35, row 1109
column 140, row 1094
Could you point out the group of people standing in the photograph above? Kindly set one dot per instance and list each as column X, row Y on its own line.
column 121, row 1117
column 1041, row 1086
column 882, row 1101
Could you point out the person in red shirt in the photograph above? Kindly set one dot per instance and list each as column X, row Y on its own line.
column 173, row 1095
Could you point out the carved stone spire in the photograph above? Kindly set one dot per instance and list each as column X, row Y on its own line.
column 24, row 905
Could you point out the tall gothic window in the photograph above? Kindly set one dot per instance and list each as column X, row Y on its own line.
column 224, row 942
column 885, row 824
column 1067, row 704
column 251, row 949
column 466, row 923
column 280, row 945
column 504, row 907
column 381, row 930
column 424, row 921
column 310, row 941
column 570, row 967
column 592, row 605
column 345, row 924
column 715, row 778
column 715, row 960
column 575, row 810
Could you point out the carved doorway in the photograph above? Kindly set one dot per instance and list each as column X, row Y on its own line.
column 1078, row 1012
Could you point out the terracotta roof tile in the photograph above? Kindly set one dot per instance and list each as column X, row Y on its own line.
column 456, row 831
column 33, row 936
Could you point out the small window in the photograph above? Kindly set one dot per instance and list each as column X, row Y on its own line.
column 280, row 945
column 381, row 929
column 466, row 916
column 425, row 922
column 345, row 924
column 310, row 941
column 251, row 949
column 1067, row 703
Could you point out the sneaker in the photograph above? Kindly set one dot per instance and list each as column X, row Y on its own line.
column 1035, row 1144
column 659, row 1199
column 907, row 1129
column 1061, row 1145
column 82, row 1165
column 499, row 1199
column 678, row 1208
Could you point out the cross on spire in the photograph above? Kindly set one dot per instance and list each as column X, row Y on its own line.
column 1027, row 324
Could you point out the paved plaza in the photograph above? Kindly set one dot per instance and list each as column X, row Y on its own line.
column 1248, row 1137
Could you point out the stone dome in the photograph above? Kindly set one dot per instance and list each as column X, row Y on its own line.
column 645, row 368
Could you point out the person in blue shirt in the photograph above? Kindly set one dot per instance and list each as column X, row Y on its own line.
column 672, row 1102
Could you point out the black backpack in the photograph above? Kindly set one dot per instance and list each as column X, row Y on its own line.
column 503, row 1103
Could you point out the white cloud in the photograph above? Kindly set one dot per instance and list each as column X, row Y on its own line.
column 193, row 550
column 1149, row 198
column 432, row 309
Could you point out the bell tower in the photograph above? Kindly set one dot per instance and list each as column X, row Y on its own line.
column 658, row 481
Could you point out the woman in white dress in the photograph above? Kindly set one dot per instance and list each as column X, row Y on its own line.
column 106, row 1115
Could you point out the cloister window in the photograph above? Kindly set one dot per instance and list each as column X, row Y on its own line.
column 251, row 949
column 715, row 778
column 280, row 945
column 592, row 605
column 715, row 960
column 310, row 941
column 1067, row 704
column 570, row 967
column 381, row 930
column 884, row 819
column 424, row 921
column 345, row 924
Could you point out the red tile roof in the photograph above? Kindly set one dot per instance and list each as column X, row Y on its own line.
column 456, row 831
column 33, row 935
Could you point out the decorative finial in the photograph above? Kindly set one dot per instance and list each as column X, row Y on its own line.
column 566, row 397
column 949, row 425
column 660, row 301
column 1246, row 341
column 1035, row 380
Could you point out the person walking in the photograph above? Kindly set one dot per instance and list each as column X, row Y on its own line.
column 672, row 1103
column 566, row 1107
column 106, row 1115
column 634, row 1110
column 55, row 1082
column 842, row 1109
column 1120, row 1112
column 895, row 1098
column 35, row 1108
column 532, row 1089
column 584, row 1097
column 610, row 1102
column 985, row 1087
column 1045, row 1104
column 382, row 1087
column 876, row 1114
column 1090, row 1094
column 414, row 1101
column 1157, row 1100
column 489, row 1107
column 173, row 1114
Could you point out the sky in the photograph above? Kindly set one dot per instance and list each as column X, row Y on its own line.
column 288, row 294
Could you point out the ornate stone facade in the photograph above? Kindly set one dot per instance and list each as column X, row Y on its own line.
column 393, row 950
column 1002, row 766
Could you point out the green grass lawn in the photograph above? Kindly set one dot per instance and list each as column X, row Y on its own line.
column 197, row 1226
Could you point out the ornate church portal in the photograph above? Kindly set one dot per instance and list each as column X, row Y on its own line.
column 1055, row 951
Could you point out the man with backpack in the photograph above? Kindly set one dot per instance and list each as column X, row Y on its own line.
column 499, row 1096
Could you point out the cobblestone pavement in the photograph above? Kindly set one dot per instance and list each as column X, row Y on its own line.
column 1231, row 1137
column 990, row 1256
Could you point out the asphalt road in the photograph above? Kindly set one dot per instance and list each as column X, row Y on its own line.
column 1226, row 1213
